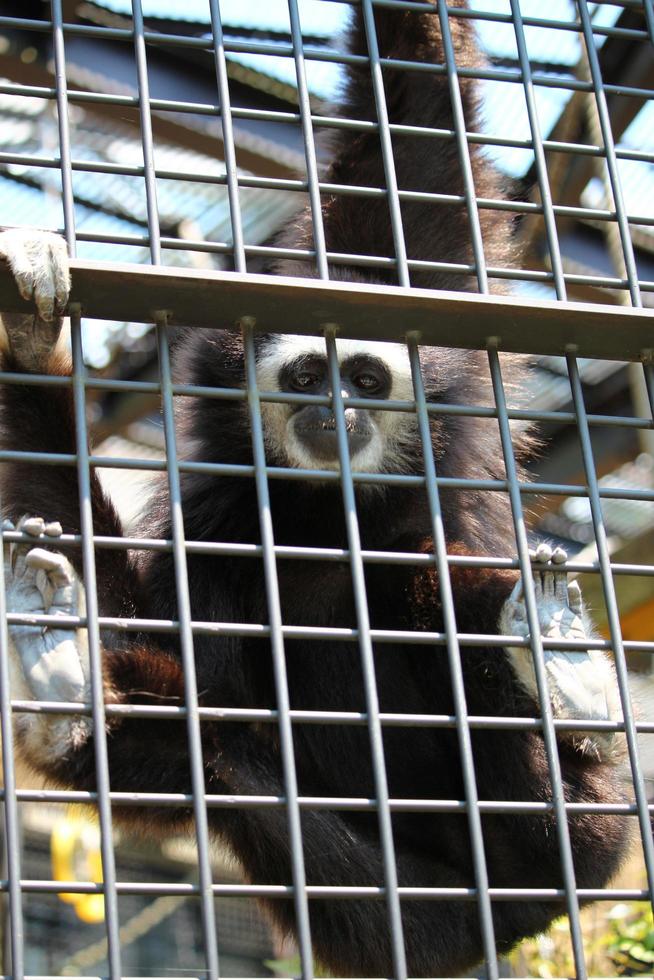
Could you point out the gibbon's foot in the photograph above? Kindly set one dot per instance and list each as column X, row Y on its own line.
column 39, row 262
column 47, row 663
column 581, row 683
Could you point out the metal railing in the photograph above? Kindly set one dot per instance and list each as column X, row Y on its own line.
column 251, row 302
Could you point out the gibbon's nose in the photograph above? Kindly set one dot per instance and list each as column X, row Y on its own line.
column 315, row 427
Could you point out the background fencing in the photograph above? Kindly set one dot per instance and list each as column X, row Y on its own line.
column 165, row 143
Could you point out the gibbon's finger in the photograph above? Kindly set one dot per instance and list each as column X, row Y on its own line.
column 560, row 577
column 13, row 555
column 549, row 584
column 575, row 600
column 34, row 526
column 60, row 275
column 543, row 553
column 46, row 588
column 516, row 592
column 13, row 251
column 560, row 586
column 53, row 529
column 49, row 259
column 51, row 563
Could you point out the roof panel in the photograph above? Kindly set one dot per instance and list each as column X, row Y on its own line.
column 318, row 17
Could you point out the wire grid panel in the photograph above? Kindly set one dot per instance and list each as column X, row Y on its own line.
column 367, row 221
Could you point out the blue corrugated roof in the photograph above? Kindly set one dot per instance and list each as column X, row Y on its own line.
column 504, row 111
column 317, row 17
column 323, row 77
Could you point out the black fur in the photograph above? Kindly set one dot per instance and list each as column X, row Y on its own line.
column 341, row 848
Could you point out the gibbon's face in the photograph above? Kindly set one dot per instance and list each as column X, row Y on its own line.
column 305, row 435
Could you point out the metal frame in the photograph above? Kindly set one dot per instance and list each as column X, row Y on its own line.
column 164, row 296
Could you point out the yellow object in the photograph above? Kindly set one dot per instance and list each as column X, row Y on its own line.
column 75, row 853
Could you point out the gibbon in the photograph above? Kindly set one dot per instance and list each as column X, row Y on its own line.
column 350, row 937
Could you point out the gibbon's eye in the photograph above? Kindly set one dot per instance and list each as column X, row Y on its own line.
column 305, row 380
column 367, row 382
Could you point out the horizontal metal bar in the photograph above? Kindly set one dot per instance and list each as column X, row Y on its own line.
column 323, row 476
column 298, row 398
column 236, row 549
column 337, row 634
column 123, row 292
column 363, row 261
column 348, row 190
column 331, row 56
column 315, row 717
column 277, row 116
column 374, row 892
column 315, row 803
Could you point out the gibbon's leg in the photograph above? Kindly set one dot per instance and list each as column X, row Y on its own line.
column 41, row 419
column 352, row 936
column 581, row 683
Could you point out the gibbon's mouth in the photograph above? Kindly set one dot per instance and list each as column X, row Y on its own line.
column 321, row 441
column 314, row 427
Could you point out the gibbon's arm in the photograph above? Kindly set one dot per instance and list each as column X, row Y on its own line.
column 42, row 419
column 43, row 501
column 362, row 225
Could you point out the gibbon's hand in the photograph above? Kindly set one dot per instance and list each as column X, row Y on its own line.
column 39, row 262
column 47, row 663
column 581, row 683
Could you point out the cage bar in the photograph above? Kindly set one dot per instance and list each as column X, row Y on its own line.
column 587, row 320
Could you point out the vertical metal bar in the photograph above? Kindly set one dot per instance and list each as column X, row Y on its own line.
column 609, row 151
column 456, row 671
column 649, row 17
column 309, row 144
column 278, row 659
column 240, row 263
column 62, row 122
column 368, row 665
column 194, row 734
column 11, row 841
column 549, row 736
column 463, row 150
column 648, row 371
column 95, row 652
column 539, row 154
column 394, row 207
column 613, row 617
column 149, row 172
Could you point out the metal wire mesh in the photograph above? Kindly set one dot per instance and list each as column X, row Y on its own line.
column 242, row 297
